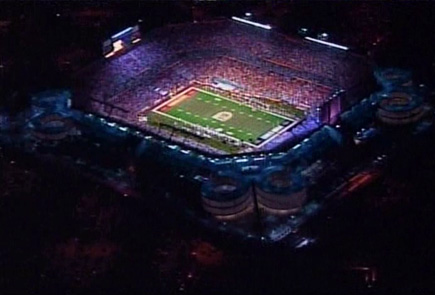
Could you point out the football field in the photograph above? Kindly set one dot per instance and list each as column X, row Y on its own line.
column 197, row 107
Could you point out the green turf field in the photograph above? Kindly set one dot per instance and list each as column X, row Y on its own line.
column 223, row 115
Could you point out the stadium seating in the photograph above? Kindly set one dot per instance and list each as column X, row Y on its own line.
column 263, row 63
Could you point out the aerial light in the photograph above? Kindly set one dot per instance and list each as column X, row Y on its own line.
column 327, row 43
column 122, row 33
column 267, row 27
column 303, row 31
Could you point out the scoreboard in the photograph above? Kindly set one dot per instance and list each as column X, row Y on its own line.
column 121, row 41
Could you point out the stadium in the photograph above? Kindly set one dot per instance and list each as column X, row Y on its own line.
column 221, row 87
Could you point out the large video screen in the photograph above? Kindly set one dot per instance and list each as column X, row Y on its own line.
column 121, row 41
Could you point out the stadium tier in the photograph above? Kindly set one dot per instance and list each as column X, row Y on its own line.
column 222, row 87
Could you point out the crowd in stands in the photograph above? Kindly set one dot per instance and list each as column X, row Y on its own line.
column 263, row 63
column 260, row 83
column 316, row 59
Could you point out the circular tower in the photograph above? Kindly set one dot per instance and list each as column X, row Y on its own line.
column 280, row 192
column 400, row 108
column 226, row 194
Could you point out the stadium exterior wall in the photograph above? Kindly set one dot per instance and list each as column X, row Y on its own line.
column 229, row 208
column 401, row 108
column 280, row 192
column 226, row 195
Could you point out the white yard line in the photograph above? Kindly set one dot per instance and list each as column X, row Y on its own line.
column 197, row 125
column 277, row 134
column 242, row 104
column 172, row 99
column 155, row 110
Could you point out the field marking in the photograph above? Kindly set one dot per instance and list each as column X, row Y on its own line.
column 241, row 104
column 175, row 102
column 156, row 110
column 165, row 103
column 196, row 126
column 278, row 133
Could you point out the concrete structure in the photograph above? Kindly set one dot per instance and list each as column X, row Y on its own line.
column 51, row 126
column 400, row 108
column 226, row 195
column 280, row 192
